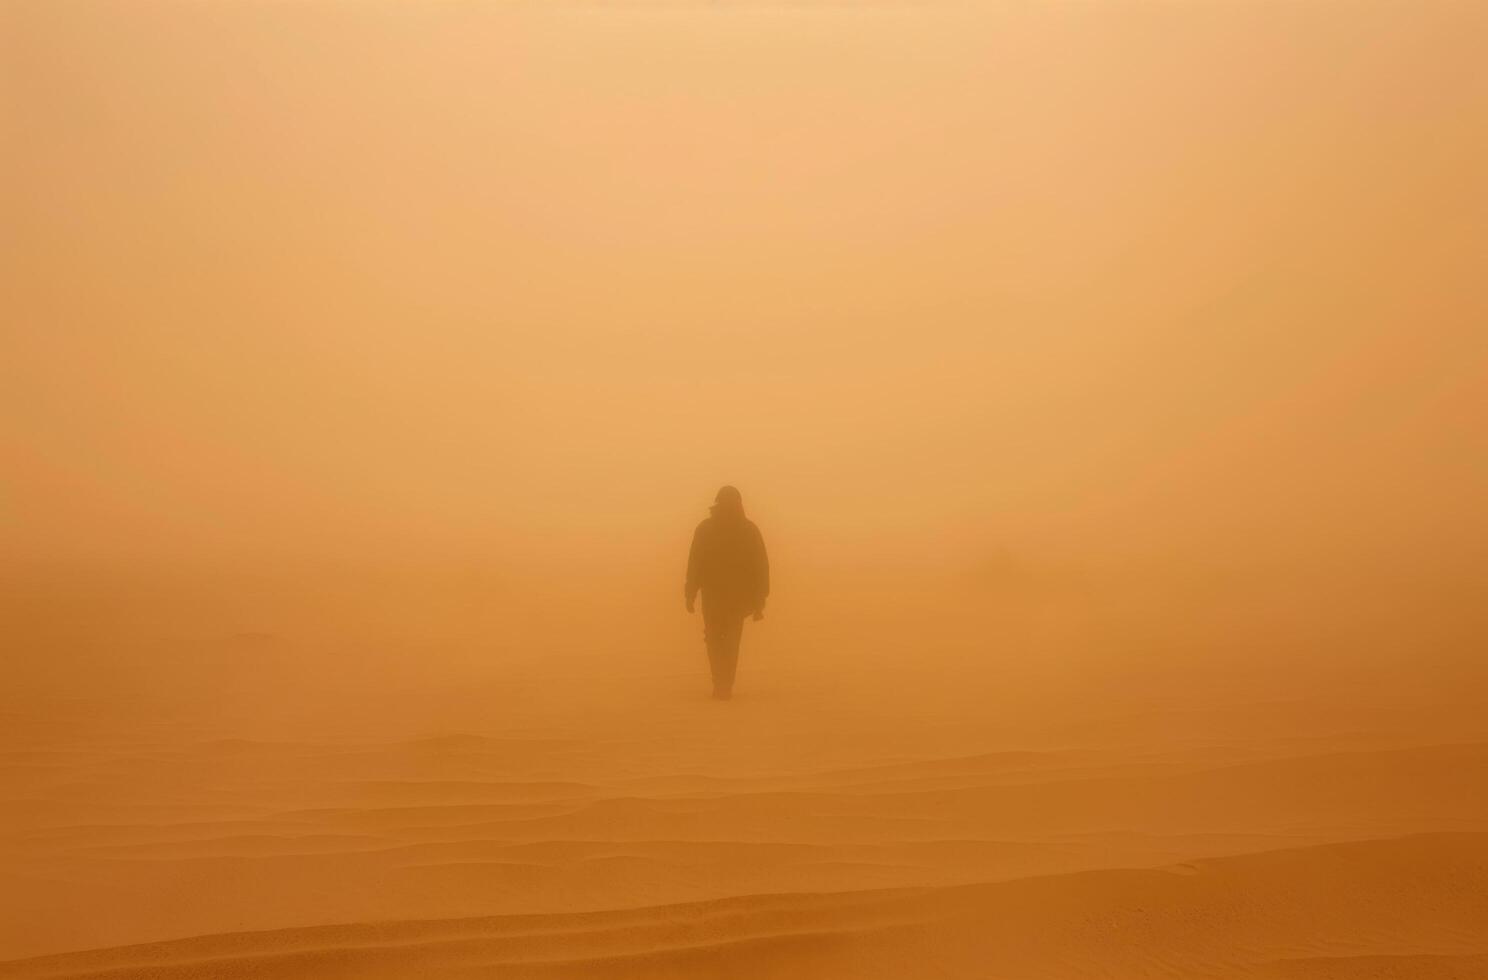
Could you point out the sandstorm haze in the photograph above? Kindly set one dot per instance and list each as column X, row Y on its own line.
column 1107, row 380
column 1016, row 323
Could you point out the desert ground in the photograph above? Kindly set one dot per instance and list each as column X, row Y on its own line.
column 1028, row 809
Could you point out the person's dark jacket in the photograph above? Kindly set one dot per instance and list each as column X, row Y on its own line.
column 728, row 562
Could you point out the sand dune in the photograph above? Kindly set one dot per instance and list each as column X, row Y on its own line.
column 1427, row 966
column 623, row 824
column 1413, row 905
column 609, row 851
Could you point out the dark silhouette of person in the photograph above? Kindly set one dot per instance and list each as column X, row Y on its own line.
column 727, row 563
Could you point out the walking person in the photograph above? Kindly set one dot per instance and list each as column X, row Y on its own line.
column 727, row 563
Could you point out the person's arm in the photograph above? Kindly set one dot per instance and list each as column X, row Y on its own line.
column 761, row 573
column 694, row 568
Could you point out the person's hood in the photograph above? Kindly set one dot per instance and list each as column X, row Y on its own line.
column 729, row 504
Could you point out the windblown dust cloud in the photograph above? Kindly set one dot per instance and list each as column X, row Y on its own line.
column 1109, row 381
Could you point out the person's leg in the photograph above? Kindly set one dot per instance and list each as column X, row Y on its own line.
column 714, row 631
column 728, row 655
column 722, row 625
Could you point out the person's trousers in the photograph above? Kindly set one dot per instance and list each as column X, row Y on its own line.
column 723, row 625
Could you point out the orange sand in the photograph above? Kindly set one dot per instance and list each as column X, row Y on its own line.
column 791, row 833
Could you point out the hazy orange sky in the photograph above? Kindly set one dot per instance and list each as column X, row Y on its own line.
column 384, row 279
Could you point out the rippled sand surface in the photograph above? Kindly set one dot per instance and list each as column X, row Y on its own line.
column 800, row 830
